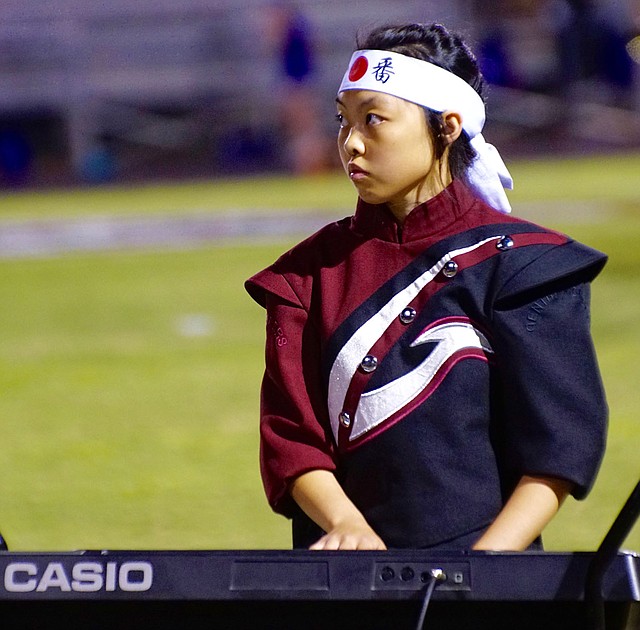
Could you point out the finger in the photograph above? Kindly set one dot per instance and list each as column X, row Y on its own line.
column 349, row 543
column 318, row 545
column 332, row 543
column 326, row 543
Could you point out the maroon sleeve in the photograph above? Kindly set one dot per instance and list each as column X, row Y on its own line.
column 293, row 437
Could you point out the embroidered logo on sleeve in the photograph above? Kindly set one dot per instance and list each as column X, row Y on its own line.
column 274, row 330
column 539, row 308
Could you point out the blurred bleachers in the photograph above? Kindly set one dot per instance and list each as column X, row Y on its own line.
column 147, row 77
column 111, row 88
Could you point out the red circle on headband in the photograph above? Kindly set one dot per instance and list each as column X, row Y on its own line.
column 358, row 69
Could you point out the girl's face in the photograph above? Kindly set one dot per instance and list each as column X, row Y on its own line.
column 386, row 150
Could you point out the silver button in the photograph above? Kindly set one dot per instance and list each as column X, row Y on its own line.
column 450, row 268
column 408, row 315
column 369, row 363
column 345, row 419
column 506, row 242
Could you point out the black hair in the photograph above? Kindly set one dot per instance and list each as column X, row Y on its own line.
column 435, row 44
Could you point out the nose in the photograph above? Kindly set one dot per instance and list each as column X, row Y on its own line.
column 353, row 143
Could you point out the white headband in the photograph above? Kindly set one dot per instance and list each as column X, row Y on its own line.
column 437, row 89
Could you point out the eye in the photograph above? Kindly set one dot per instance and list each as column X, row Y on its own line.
column 373, row 119
column 342, row 121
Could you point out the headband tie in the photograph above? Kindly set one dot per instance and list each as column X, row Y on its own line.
column 435, row 88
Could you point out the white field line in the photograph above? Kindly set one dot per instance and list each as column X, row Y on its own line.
column 49, row 237
column 52, row 236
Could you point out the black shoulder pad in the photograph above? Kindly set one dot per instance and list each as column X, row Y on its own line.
column 556, row 268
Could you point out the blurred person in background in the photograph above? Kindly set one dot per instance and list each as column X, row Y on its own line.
column 16, row 156
column 306, row 146
column 591, row 40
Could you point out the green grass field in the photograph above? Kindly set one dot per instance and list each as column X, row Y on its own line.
column 129, row 380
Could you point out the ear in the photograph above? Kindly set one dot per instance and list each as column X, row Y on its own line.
column 451, row 126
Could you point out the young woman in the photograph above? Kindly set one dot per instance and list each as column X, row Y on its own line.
column 430, row 377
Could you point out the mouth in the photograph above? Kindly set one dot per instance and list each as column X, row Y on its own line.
column 356, row 173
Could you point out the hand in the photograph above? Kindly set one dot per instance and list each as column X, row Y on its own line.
column 532, row 505
column 350, row 537
column 319, row 494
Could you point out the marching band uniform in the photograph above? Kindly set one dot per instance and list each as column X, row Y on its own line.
column 429, row 366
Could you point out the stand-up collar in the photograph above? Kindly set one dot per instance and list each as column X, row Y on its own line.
column 427, row 219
